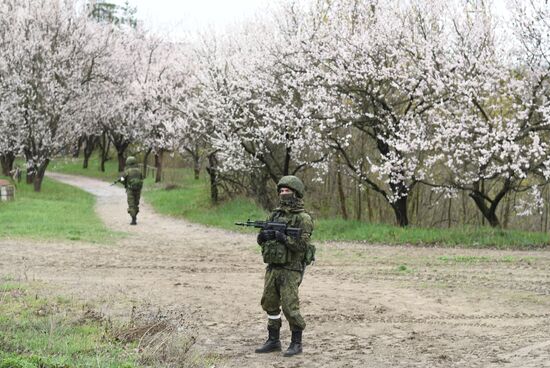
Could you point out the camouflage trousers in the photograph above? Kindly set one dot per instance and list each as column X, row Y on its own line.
column 133, row 201
column 281, row 291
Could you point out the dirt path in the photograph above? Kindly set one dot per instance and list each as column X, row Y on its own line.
column 365, row 305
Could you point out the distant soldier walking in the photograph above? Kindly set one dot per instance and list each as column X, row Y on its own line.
column 16, row 175
column 133, row 182
column 286, row 258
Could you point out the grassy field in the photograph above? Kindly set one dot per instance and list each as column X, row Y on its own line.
column 59, row 211
column 74, row 166
column 467, row 237
column 190, row 199
column 38, row 331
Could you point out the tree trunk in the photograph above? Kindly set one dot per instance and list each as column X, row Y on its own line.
column 29, row 178
column 86, row 160
column 400, row 209
column 546, row 210
column 341, row 194
column 449, row 213
column 464, row 200
column 212, row 170
column 39, row 176
column 480, row 199
column 145, row 159
column 483, row 191
column 196, row 166
column 159, row 156
column 416, row 201
column 259, row 181
column 104, row 144
column 121, row 160
column 102, row 162
column 370, row 212
column 194, row 152
column 359, row 203
column 121, row 144
column 76, row 152
column 88, row 150
column 507, row 213
column 489, row 213
column 400, row 206
column 29, row 173
column 6, row 160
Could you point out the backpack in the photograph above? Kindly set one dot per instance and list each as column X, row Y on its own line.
column 309, row 254
column 134, row 179
column 135, row 184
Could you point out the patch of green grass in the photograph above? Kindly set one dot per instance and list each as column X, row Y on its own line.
column 70, row 165
column 403, row 269
column 465, row 259
column 9, row 286
column 60, row 332
column 485, row 259
column 190, row 200
column 468, row 237
column 59, row 211
column 37, row 332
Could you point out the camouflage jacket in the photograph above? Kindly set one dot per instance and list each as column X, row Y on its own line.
column 133, row 179
column 296, row 247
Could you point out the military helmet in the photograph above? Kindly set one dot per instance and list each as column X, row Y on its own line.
column 292, row 182
column 131, row 160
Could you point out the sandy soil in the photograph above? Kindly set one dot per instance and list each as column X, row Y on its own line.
column 365, row 305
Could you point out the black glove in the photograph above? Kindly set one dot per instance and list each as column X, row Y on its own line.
column 265, row 235
column 281, row 237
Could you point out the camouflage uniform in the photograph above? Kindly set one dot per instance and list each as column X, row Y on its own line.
column 133, row 182
column 283, row 279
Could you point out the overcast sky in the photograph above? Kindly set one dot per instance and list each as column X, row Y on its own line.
column 180, row 16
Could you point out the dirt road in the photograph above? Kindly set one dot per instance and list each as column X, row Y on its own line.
column 365, row 305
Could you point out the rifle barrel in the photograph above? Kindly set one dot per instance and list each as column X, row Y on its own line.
column 250, row 223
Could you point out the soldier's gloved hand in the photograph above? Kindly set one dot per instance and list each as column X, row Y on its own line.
column 281, row 237
column 265, row 235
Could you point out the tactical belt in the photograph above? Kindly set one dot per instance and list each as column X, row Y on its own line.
column 282, row 267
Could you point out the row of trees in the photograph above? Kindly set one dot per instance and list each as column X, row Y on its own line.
column 391, row 94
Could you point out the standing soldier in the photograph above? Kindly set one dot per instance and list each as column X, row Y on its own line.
column 286, row 258
column 133, row 182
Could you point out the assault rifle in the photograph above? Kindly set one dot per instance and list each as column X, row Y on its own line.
column 119, row 180
column 294, row 232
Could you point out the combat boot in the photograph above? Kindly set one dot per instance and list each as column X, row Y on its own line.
column 272, row 343
column 295, row 346
column 134, row 222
